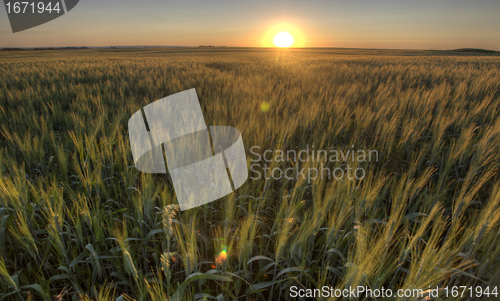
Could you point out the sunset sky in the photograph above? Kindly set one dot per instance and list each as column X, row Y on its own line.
column 401, row 24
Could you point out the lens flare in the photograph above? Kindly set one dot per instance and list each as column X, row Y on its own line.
column 264, row 107
column 222, row 257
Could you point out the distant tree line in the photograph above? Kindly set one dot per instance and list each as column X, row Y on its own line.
column 46, row 48
column 12, row 49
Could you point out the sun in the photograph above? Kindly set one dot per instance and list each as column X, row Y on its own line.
column 283, row 35
column 283, row 39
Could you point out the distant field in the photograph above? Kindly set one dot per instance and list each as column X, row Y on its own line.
column 78, row 221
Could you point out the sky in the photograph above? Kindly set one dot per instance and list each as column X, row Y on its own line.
column 389, row 24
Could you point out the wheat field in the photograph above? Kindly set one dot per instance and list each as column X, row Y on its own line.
column 79, row 222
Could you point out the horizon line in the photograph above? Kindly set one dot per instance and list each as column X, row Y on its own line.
column 223, row 46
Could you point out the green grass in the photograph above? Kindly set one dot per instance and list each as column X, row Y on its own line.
column 78, row 221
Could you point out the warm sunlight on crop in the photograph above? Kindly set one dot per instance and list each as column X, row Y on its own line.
column 283, row 39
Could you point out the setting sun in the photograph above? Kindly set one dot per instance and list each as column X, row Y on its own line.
column 283, row 35
column 283, row 39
